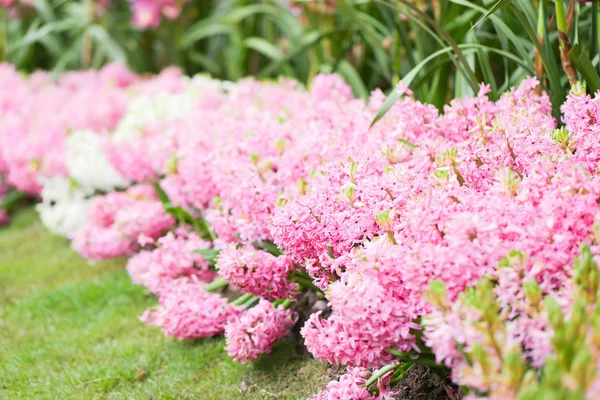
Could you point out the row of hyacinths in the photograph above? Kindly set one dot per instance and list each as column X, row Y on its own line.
column 465, row 240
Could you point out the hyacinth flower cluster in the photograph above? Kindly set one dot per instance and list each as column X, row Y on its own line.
column 187, row 311
column 174, row 256
column 255, row 332
column 278, row 190
column 495, row 347
column 257, row 272
column 118, row 221
column 356, row 384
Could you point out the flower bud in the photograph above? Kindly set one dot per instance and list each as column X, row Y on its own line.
column 350, row 191
column 578, row 89
column 385, row 219
column 513, row 367
column 171, row 166
column 586, row 273
column 583, row 368
column 481, row 357
column 555, row 314
column 447, row 159
column 533, row 292
column 442, row 174
column 280, row 146
column 437, row 294
column 302, row 186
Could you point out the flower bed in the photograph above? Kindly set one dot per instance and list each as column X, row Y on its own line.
column 464, row 240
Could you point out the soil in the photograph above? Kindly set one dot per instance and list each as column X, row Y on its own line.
column 308, row 303
column 421, row 383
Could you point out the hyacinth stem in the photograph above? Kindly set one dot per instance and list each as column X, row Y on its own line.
column 541, row 29
column 250, row 302
column 242, row 299
column 86, row 52
column 216, row 285
column 196, row 226
column 594, row 49
column 381, row 372
column 565, row 44
column 306, row 282
column 211, row 234
column 3, row 34
column 246, row 300
column 287, row 303
column 401, row 373
column 560, row 15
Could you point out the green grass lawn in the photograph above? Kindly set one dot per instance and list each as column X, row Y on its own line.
column 70, row 330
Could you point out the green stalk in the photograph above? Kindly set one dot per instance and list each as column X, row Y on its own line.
column 87, row 44
column 597, row 26
column 381, row 372
column 561, row 23
column 541, row 20
column 216, row 285
column 305, row 282
column 3, row 35
column 246, row 300
column 538, row 64
column 287, row 303
column 242, row 299
column 252, row 301
column 211, row 234
column 565, row 45
column 594, row 33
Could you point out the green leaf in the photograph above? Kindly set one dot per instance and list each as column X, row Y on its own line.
column 110, row 45
column 162, row 195
column 204, row 29
column 498, row 5
column 208, row 63
column 308, row 39
column 179, row 213
column 269, row 246
column 556, row 93
column 44, row 10
column 209, row 255
column 584, row 65
column 11, row 199
column 242, row 13
column 410, row 76
column 469, row 74
column 264, row 47
column 407, row 143
column 353, row 78
column 69, row 55
column 330, row 252
column 594, row 51
column 502, row 29
column 486, row 69
column 36, row 34
column 395, row 95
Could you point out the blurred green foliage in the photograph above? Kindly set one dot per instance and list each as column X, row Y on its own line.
column 440, row 48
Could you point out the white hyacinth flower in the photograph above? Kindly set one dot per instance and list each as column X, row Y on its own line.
column 64, row 206
column 142, row 110
column 88, row 165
